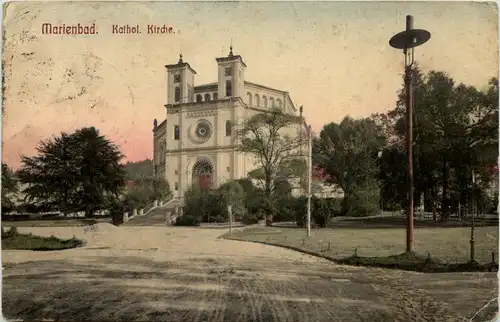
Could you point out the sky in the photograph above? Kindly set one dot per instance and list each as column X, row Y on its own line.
column 332, row 57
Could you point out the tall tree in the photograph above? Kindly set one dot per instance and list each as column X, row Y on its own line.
column 277, row 142
column 455, row 129
column 74, row 172
column 139, row 169
column 9, row 189
column 348, row 152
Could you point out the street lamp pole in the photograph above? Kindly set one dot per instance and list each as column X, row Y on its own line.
column 309, row 178
column 474, row 206
column 407, row 40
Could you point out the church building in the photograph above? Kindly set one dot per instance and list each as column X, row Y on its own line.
column 196, row 143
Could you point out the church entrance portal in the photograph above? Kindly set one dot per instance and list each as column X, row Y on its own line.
column 203, row 174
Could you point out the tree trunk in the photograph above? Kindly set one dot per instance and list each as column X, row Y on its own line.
column 434, row 203
column 269, row 219
column 89, row 213
column 268, row 209
column 444, row 204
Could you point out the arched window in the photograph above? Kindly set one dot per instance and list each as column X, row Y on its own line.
column 207, row 97
column 249, row 98
column 199, row 98
column 228, row 128
column 257, row 100
column 229, row 90
column 177, row 132
column 177, row 94
column 271, row 102
column 176, row 186
column 264, row 101
column 278, row 103
column 216, row 96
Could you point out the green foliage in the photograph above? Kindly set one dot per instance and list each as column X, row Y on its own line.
column 266, row 137
column 348, row 152
column 188, row 220
column 249, row 219
column 299, row 209
column 145, row 191
column 9, row 189
column 362, row 202
column 323, row 210
column 10, row 233
column 455, row 130
column 30, row 242
column 138, row 170
column 74, row 172
column 232, row 193
column 253, row 195
column 205, row 206
column 116, row 210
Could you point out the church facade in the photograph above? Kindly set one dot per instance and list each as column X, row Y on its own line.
column 197, row 142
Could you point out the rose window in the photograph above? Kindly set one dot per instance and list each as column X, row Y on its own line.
column 203, row 130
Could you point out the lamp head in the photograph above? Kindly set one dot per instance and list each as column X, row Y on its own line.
column 409, row 38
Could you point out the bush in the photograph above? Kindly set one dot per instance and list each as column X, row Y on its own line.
column 31, row 242
column 252, row 196
column 211, row 205
column 285, row 209
column 324, row 209
column 116, row 211
column 187, row 220
column 299, row 206
column 232, row 193
column 363, row 201
column 249, row 219
column 10, row 233
column 145, row 191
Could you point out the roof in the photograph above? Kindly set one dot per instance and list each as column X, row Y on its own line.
column 265, row 87
column 206, row 86
column 231, row 58
column 180, row 65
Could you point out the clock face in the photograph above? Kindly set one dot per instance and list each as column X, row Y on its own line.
column 203, row 130
column 228, row 71
column 177, row 78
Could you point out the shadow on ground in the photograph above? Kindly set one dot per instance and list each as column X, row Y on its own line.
column 210, row 289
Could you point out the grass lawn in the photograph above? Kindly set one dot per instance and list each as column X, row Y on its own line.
column 445, row 245
column 14, row 240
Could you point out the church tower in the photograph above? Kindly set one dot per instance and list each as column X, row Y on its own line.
column 231, row 75
column 180, row 84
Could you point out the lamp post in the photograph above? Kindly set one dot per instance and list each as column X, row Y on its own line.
column 474, row 207
column 407, row 40
column 309, row 178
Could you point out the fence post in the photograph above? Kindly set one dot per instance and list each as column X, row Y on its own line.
column 155, row 203
column 125, row 216
column 141, row 212
column 134, row 212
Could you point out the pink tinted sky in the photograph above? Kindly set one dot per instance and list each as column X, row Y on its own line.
column 333, row 58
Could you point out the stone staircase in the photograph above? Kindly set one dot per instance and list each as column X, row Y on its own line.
column 156, row 217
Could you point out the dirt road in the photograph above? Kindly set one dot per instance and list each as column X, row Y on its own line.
column 187, row 274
